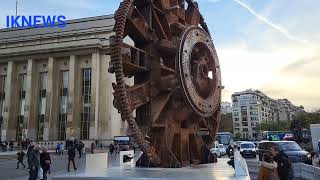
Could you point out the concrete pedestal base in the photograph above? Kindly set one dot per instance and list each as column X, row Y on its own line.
column 215, row 171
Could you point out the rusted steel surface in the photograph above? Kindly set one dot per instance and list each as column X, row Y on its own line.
column 173, row 108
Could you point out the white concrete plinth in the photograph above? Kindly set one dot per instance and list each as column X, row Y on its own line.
column 214, row 171
column 93, row 161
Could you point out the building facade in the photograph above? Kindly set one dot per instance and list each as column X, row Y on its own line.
column 55, row 85
column 252, row 107
column 226, row 108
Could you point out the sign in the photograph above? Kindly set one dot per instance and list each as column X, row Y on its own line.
column 127, row 159
column 36, row 21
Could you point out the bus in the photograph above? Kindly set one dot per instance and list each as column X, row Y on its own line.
column 225, row 138
column 274, row 135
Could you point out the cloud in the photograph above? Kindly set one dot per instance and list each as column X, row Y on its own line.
column 271, row 24
column 299, row 63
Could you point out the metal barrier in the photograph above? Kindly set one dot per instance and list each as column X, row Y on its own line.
column 301, row 170
column 306, row 171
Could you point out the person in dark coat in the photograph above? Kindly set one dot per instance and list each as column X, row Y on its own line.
column 282, row 161
column 34, row 162
column 45, row 162
column 20, row 159
column 30, row 149
column 71, row 156
column 79, row 147
column 92, row 147
column 111, row 148
column 11, row 145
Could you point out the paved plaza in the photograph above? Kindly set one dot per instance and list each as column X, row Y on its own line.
column 59, row 167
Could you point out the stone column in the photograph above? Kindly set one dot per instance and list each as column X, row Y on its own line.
column 50, row 116
column 10, row 104
column 95, row 85
column 73, row 121
column 31, row 104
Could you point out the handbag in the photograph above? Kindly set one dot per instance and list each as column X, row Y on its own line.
column 40, row 173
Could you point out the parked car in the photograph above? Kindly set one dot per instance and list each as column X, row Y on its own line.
column 288, row 137
column 248, row 149
column 215, row 149
column 290, row 148
column 222, row 150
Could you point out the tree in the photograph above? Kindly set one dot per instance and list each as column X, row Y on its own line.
column 237, row 136
column 274, row 126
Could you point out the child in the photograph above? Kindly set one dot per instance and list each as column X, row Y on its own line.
column 20, row 159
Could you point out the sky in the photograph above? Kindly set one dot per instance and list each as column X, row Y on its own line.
column 270, row 45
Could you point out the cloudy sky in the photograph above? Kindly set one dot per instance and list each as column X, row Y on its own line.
column 271, row 45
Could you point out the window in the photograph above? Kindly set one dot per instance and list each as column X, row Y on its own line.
column 86, row 104
column 236, row 119
column 43, row 82
column 244, row 119
column 236, row 124
column 254, row 119
column 245, row 129
column 244, row 124
column 22, row 92
column 2, row 95
column 64, row 83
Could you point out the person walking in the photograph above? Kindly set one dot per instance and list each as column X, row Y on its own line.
column 34, row 162
column 71, row 156
column 57, row 148
column 79, row 148
column 21, row 155
column 117, row 148
column 29, row 150
column 83, row 150
column 11, row 145
column 61, row 148
column 268, row 169
column 111, row 148
column 45, row 162
column 92, row 147
column 284, row 166
column 319, row 146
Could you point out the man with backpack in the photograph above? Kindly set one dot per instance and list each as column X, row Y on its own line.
column 285, row 170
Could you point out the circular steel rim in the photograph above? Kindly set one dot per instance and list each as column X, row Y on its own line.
column 203, row 106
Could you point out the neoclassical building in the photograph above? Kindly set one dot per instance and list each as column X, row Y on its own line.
column 54, row 83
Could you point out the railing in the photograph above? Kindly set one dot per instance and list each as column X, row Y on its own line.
column 301, row 170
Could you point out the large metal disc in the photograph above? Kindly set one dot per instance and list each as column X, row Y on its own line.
column 199, row 71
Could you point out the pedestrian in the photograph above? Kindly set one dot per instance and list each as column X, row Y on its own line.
column 111, row 148
column 11, row 145
column 71, row 156
column 117, row 148
column 61, row 148
column 29, row 150
column 268, row 169
column 284, row 168
column 92, row 147
column 319, row 146
column 79, row 147
column 58, row 148
column 83, row 150
column 45, row 162
column 20, row 159
column 34, row 162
